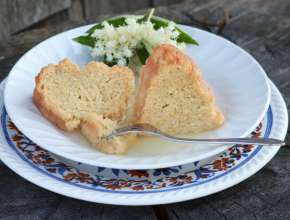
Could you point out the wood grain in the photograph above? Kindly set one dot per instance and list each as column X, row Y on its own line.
column 27, row 201
column 157, row 3
column 94, row 9
column 15, row 15
column 261, row 27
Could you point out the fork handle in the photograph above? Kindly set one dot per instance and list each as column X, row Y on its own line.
column 256, row 141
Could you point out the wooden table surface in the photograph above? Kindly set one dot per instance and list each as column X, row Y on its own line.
column 262, row 27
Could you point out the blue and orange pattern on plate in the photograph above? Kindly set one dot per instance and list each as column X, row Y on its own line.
column 132, row 181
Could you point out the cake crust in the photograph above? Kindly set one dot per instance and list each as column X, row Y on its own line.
column 170, row 86
column 47, row 109
column 96, row 100
column 65, row 120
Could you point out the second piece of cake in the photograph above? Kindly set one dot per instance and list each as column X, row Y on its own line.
column 172, row 95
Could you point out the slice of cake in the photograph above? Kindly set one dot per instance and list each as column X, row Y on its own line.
column 172, row 95
column 95, row 128
column 96, row 96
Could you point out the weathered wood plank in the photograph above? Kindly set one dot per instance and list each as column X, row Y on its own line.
column 22, row 200
column 156, row 3
column 16, row 15
column 76, row 11
column 273, row 8
column 94, row 9
column 15, row 46
column 259, row 26
column 263, row 196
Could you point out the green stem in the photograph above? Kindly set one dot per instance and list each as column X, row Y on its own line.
column 150, row 14
column 147, row 16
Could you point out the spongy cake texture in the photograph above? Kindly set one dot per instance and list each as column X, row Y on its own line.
column 172, row 95
column 68, row 96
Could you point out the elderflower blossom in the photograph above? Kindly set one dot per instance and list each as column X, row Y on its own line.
column 118, row 44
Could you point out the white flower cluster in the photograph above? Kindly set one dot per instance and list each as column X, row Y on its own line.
column 118, row 44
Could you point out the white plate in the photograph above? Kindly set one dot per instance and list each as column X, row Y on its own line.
column 239, row 82
column 141, row 187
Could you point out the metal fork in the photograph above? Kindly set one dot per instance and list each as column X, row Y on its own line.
column 146, row 129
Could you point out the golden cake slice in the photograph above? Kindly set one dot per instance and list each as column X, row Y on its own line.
column 172, row 95
column 68, row 97
column 95, row 128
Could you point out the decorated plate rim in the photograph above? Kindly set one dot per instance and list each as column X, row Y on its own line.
column 246, row 160
column 182, row 194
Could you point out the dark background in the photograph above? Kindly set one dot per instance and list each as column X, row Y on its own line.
column 21, row 15
column 262, row 27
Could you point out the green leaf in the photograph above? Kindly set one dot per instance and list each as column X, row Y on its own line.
column 158, row 23
column 142, row 53
column 86, row 40
column 116, row 22
column 182, row 37
column 148, row 46
column 110, row 63
column 185, row 38
column 95, row 27
column 135, row 64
